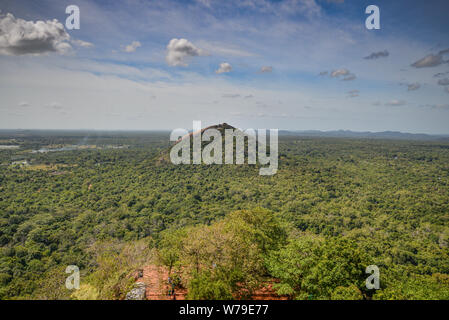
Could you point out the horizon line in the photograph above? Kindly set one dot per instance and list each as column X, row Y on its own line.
column 169, row 130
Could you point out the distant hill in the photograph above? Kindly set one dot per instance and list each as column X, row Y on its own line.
column 220, row 127
column 164, row 156
column 366, row 134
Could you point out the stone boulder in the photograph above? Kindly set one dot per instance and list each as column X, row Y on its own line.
column 138, row 292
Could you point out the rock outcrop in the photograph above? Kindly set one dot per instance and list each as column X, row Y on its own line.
column 138, row 292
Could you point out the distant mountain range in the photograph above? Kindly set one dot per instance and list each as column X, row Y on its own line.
column 303, row 133
column 366, row 134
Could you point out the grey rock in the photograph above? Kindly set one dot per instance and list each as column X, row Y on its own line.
column 138, row 292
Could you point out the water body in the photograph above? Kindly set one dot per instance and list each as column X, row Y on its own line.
column 77, row 147
column 45, row 150
column 8, row 147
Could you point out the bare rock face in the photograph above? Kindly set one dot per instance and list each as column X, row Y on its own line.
column 164, row 156
column 220, row 127
column 138, row 292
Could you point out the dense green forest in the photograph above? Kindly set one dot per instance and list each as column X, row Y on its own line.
column 104, row 203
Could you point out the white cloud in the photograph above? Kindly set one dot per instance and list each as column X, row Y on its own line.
column 440, row 74
column 431, row 60
column 307, row 8
column 413, row 86
column 349, row 77
column 220, row 49
column 266, row 69
column 206, row 3
column 133, row 46
column 339, row 72
column 377, row 55
column 179, row 50
column 116, row 69
column 441, row 106
column 224, row 68
column 428, row 61
column 396, row 103
column 353, row 93
column 82, row 43
column 443, row 82
column 19, row 37
column 437, row 106
column 237, row 95
column 231, row 95
column 55, row 106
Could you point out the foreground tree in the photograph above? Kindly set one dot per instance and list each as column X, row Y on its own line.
column 319, row 268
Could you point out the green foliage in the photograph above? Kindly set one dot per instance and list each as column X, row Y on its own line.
column 228, row 254
column 311, row 267
column 205, row 286
column 86, row 292
column 347, row 293
column 171, row 247
column 401, row 285
column 333, row 206
column 116, row 262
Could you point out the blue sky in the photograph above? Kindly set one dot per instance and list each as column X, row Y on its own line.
column 156, row 65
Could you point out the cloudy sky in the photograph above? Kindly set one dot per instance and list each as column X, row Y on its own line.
column 287, row 64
